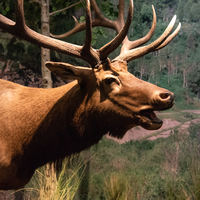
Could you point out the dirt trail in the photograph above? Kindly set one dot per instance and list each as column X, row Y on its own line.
column 138, row 133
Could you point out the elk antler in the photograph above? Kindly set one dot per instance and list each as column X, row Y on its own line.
column 85, row 52
column 128, row 53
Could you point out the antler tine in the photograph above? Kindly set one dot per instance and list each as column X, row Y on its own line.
column 120, row 20
column 6, row 24
column 112, row 45
column 11, row 26
column 88, row 39
column 170, row 38
column 19, row 12
column 138, row 52
column 87, row 50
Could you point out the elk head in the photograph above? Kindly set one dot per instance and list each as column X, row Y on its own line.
column 117, row 96
column 131, row 101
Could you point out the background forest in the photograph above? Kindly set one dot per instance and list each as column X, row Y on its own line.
column 161, row 169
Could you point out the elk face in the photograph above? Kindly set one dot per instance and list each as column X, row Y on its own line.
column 134, row 99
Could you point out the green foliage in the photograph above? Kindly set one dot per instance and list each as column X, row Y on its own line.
column 195, row 131
column 6, row 7
column 195, row 15
column 98, row 32
column 60, row 4
column 109, row 9
column 146, row 13
column 180, row 9
column 189, row 116
column 15, row 49
column 186, row 9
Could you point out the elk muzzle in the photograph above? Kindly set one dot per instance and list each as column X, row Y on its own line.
column 162, row 100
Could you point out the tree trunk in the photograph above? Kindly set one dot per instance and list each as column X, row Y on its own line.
column 51, row 181
column 160, row 63
column 168, row 78
column 45, row 53
column 184, row 79
column 142, row 69
column 83, row 190
column 151, row 75
column 50, row 173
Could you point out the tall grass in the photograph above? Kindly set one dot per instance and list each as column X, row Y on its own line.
column 119, row 187
column 115, row 187
column 64, row 187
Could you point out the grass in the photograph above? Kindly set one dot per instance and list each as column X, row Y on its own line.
column 162, row 169
column 55, row 186
column 115, row 187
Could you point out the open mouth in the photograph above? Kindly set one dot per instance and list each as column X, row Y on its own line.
column 149, row 120
column 150, row 115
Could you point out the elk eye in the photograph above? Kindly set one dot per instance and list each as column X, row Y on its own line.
column 111, row 80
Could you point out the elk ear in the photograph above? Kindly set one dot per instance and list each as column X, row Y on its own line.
column 67, row 71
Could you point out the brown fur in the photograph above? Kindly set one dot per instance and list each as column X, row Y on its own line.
column 43, row 125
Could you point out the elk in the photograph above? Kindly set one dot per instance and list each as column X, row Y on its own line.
column 38, row 125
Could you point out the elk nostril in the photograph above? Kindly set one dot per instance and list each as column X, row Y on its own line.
column 165, row 96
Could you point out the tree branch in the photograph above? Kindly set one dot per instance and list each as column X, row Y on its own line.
column 35, row 1
column 57, row 11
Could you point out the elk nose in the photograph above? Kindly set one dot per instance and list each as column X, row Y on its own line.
column 163, row 99
column 166, row 98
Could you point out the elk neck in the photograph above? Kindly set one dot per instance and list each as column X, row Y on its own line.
column 73, row 124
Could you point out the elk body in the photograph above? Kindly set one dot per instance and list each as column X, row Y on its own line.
column 42, row 125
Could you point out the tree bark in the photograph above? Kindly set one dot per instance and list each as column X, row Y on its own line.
column 151, row 75
column 142, row 69
column 50, row 173
column 51, row 181
column 184, row 79
column 45, row 53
